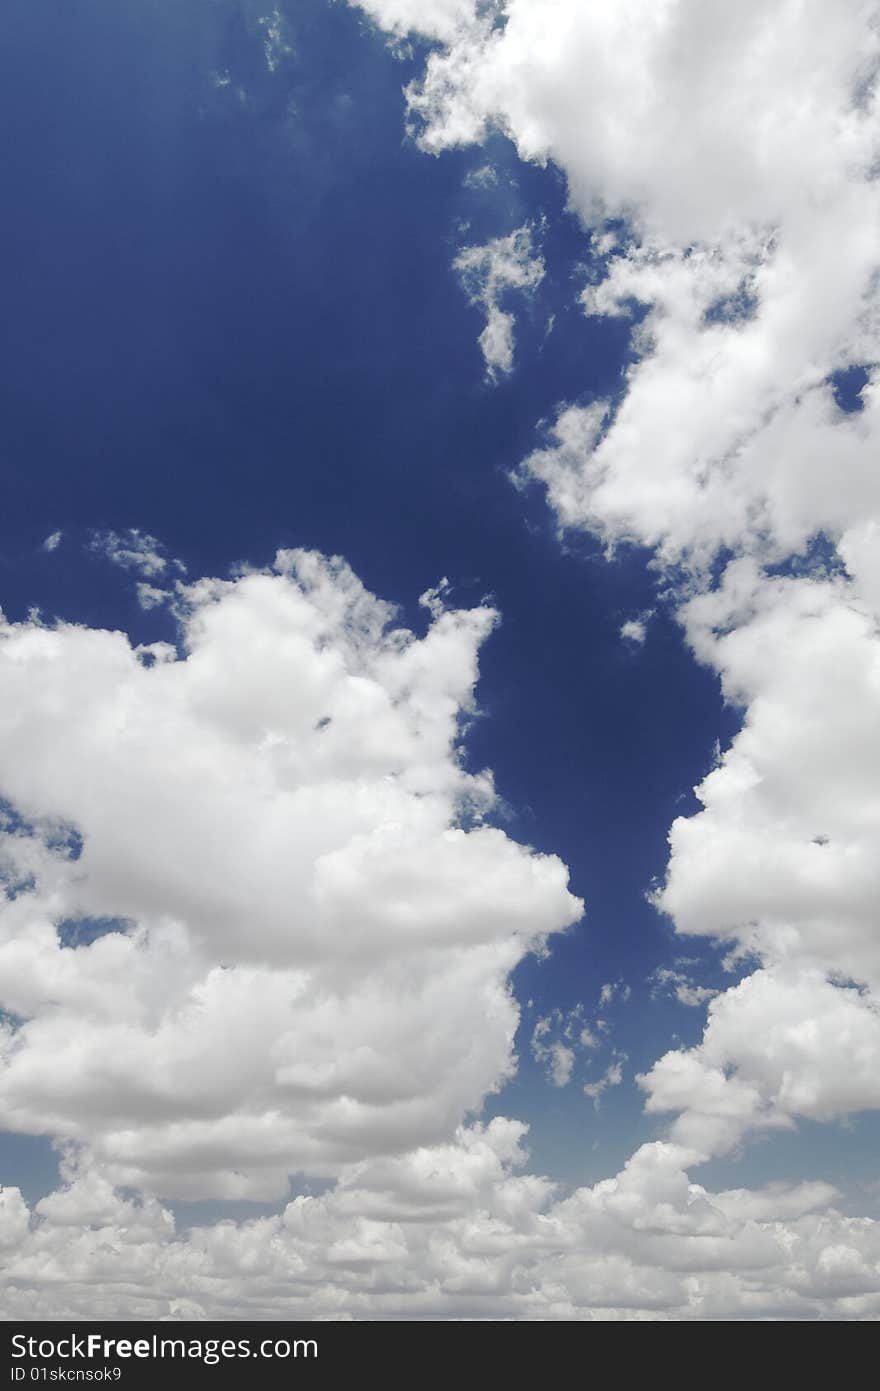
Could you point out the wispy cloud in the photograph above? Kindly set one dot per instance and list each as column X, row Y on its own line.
column 489, row 273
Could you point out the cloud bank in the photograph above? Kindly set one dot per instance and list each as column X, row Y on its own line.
column 453, row 1231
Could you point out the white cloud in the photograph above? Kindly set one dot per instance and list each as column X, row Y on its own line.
column 786, row 1043
column 454, row 1230
column 488, row 273
column 133, row 550
column 782, row 858
column 743, row 163
column 272, row 819
column 679, row 984
column 611, row 1077
column 560, row 1064
column 483, row 177
column 559, row 1037
column 614, row 990
column 608, row 91
column 725, row 159
column 431, row 19
column 556, row 1056
column 635, row 630
column 150, row 596
column 311, row 958
column 740, row 416
column 53, row 541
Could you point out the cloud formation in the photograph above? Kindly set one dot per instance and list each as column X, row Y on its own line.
column 488, row 274
column 723, row 160
column 255, row 920
column 273, row 826
column 133, row 550
column 746, row 238
column 454, row 1230
column 436, row 19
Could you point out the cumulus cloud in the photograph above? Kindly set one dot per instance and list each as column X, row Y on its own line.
column 786, row 1043
column 245, row 933
column 291, row 951
column 607, row 91
column 783, row 858
column 635, row 630
column 488, row 274
column 740, row 169
column 453, row 1230
column 271, row 827
column 723, row 160
column 434, row 19
column 723, row 438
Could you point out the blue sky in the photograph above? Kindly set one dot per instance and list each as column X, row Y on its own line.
column 233, row 324
column 276, row 353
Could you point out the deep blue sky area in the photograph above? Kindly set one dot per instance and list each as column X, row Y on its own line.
column 230, row 319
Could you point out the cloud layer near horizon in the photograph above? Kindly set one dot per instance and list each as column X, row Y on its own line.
column 453, row 1231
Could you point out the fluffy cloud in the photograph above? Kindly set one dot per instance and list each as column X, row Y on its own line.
column 488, row 274
column 310, row 954
column 245, row 934
column 742, row 167
column 609, row 91
column 723, row 160
column 724, row 437
column 430, row 19
column 783, row 860
column 247, row 930
column 454, row 1230
column 786, row 1043
column 635, row 630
